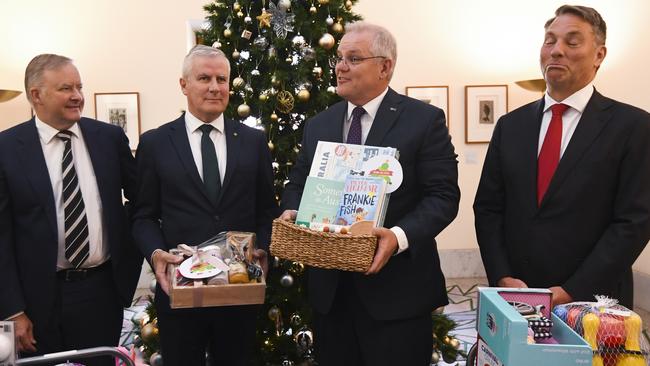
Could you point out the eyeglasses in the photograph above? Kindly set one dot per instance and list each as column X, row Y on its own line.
column 350, row 61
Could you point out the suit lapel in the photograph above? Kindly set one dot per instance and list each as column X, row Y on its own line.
column 178, row 137
column 233, row 150
column 31, row 155
column 387, row 114
column 94, row 144
column 593, row 120
column 339, row 115
column 529, row 141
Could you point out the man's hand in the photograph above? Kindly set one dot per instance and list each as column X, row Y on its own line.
column 560, row 296
column 386, row 247
column 289, row 215
column 511, row 282
column 260, row 256
column 24, row 333
column 160, row 261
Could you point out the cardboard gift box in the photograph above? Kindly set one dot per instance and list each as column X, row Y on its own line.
column 198, row 294
column 503, row 331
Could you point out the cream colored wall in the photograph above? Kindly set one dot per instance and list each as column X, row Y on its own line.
column 126, row 45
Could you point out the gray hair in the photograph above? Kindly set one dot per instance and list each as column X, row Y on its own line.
column 589, row 15
column 201, row 51
column 382, row 44
column 38, row 65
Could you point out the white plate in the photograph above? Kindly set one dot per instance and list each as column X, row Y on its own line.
column 210, row 266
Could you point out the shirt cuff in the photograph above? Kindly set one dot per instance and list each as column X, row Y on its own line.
column 15, row 316
column 402, row 241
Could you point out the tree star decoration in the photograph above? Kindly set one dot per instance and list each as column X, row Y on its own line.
column 265, row 18
column 281, row 20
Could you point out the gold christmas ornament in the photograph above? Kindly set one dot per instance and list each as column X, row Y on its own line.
column 243, row 110
column 337, row 27
column 271, row 146
column 285, row 101
column 313, row 10
column 216, row 44
column 275, row 81
column 323, row 2
column 348, row 4
column 274, row 117
column 288, row 59
column 454, row 343
column 238, row 82
column 303, row 95
column 326, row 41
column 264, row 19
column 263, row 97
column 227, row 33
column 148, row 332
column 232, row 92
column 236, row 6
column 235, row 55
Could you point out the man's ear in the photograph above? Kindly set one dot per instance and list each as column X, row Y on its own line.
column 183, row 85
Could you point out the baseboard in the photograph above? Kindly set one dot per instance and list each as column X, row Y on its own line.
column 642, row 290
column 461, row 263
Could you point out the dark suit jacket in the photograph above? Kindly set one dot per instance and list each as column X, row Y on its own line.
column 594, row 219
column 427, row 201
column 173, row 206
column 28, row 227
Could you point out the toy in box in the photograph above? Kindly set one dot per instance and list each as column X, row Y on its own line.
column 612, row 331
column 220, row 271
column 517, row 327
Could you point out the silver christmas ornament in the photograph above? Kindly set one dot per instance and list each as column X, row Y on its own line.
column 216, row 44
column 308, row 53
column 298, row 41
column 329, row 20
column 286, row 280
column 284, row 4
column 261, row 42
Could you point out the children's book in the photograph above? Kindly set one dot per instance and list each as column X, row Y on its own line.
column 362, row 200
column 320, row 201
column 334, row 160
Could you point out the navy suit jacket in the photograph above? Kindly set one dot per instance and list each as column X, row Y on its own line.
column 173, row 206
column 28, row 227
column 411, row 283
column 594, row 219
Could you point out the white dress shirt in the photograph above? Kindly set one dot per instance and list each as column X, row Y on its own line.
column 53, row 152
column 577, row 103
column 218, row 137
column 366, row 123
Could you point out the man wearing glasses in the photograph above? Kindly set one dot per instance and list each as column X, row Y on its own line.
column 382, row 317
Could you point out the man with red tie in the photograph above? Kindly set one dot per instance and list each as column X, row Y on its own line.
column 564, row 197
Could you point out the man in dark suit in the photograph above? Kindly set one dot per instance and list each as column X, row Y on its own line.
column 68, row 265
column 197, row 176
column 382, row 317
column 576, row 226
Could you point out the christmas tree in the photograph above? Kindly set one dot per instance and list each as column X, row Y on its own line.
column 280, row 54
column 281, row 76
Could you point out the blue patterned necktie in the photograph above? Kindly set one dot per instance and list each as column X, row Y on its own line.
column 354, row 134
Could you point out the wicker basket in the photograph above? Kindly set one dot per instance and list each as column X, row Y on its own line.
column 323, row 250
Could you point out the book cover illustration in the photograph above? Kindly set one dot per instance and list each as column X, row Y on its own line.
column 361, row 200
column 319, row 202
column 333, row 160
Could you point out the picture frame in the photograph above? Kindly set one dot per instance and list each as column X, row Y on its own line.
column 121, row 109
column 484, row 105
column 437, row 95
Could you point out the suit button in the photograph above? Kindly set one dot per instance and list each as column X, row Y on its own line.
column 217, row 218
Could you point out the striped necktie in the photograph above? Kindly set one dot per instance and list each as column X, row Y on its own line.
column 77, row 246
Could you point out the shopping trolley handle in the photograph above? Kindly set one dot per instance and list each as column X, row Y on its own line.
column 75, row 354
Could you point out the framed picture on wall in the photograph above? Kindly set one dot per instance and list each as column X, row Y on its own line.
column 121, row 109
column 484, row 105
column 435, row 95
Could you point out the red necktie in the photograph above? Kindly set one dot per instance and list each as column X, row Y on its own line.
column 549, row 156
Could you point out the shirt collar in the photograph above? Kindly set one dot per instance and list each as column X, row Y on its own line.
column 577, row 100
column 194, row 123
column 46, row 132
column 371, row 107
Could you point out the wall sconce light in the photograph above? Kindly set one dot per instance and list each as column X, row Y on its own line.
column 536, row 85
column 6, row 95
